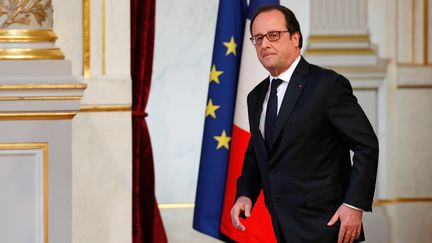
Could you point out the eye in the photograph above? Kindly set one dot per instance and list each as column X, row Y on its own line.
column 259, row 38
column 273, row 35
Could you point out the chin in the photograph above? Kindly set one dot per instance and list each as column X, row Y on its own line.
column 269, row 66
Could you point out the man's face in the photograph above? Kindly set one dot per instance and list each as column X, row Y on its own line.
column 276, row 56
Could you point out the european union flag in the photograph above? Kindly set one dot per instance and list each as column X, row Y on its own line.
column 219, row 117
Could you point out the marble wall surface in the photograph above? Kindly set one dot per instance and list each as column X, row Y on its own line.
column 180, row 83
column 102, row 141
column 183, row 49
column 177, row 103
column 184, row 41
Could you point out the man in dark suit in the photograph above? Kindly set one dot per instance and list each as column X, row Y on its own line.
column 304, row 120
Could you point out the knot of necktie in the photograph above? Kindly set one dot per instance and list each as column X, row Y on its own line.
column 274, row 85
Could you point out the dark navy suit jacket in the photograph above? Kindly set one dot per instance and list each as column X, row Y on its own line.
column 306, row 171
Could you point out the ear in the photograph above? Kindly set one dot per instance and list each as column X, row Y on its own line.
column 296, row 39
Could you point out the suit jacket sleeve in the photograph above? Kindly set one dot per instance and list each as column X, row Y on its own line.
column 355, row 130
column 249, row 183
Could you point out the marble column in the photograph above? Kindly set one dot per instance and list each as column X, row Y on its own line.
column 339, row 40
column 339, row 34
column 39, row 97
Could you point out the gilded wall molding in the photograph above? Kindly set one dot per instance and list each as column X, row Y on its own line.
column 17, row 98
column 106, row 108
column 340, row 51
column 25, row 116
column 30, row 54
column 399, row 200
column 27, row 36
column 80, row 86
column 376, row 203
column 104, row 69
column 86, row 39
column 338, row 38
column 26, row 30
column 44, row 148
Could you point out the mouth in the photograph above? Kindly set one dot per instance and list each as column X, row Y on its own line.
column 268, row 55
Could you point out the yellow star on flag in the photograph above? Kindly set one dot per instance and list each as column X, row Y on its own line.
column 211, row 109
column 231, row 46
column 214, row 74
column 223, row 140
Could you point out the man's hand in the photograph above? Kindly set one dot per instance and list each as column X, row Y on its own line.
column 243, row 204
column 351, row 220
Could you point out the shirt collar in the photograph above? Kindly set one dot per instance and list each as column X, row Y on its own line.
column 286, row 76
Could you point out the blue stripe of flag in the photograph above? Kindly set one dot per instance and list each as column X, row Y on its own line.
column 213, row 163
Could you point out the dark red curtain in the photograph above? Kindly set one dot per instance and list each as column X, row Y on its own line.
column 147, row 224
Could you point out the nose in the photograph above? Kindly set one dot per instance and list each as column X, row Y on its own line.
column 265, row 42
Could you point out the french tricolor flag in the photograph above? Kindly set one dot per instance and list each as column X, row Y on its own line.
column 259, row 226
column 221, row 163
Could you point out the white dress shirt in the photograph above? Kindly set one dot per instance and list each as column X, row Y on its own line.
column 285, row 77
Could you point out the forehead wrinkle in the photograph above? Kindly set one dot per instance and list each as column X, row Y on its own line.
column 272, row 19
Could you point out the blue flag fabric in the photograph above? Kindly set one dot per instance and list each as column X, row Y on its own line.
column 219, row 117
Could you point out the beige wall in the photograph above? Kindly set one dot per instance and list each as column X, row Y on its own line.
column 184, row 38
column 102, row 140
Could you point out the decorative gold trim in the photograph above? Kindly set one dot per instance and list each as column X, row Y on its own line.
column 338, row 38
column 381, row 202
column 175, row 205
column 30, row 54
column 376, row 203
column 37, row 116
column 340, row 51
column 11, row 98
column 42, row 86
column 27, row 36
column 351, row 69
column 105, row 108
column 402, row 64
column 414, row 86
column 413, row 31
column 24, row 13
column 46, row 187
column 425, row 32
column 44, row 148
column 104, row 37
column 363, row 88
column 86, row 38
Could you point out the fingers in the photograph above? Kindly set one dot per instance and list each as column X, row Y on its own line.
column 350, row 224
column 334, row 219
column 342, row 232
column 358, row 233
column 235, row 212
column 243, row 204
column 248, row 209
column 348, row 235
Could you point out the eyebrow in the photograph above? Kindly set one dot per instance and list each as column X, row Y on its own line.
column 266, row 33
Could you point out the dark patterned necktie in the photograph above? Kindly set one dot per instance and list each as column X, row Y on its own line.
column 271, row 114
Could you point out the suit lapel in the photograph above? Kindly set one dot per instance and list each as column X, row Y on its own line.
column 295, row 88
column 261, row 93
